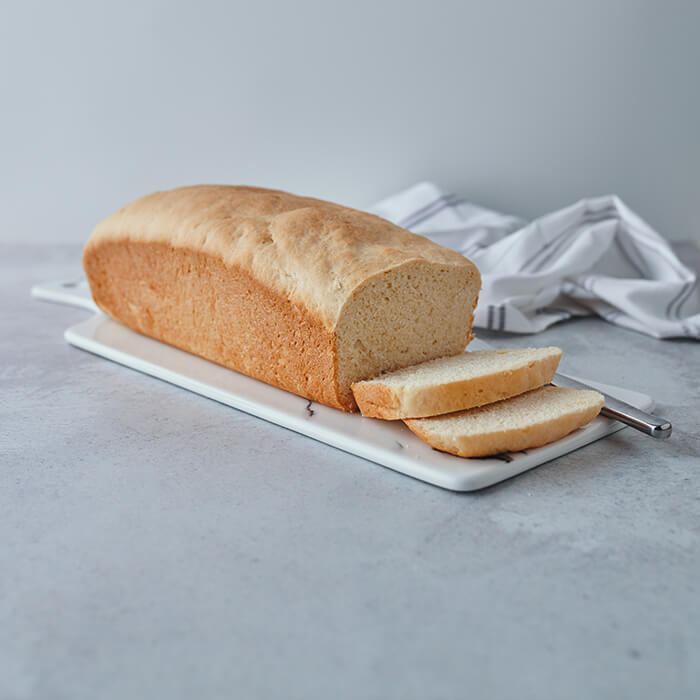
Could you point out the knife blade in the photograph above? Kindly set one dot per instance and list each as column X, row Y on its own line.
column 640, row 420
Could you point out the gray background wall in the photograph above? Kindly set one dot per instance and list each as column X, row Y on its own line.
column 523, row 106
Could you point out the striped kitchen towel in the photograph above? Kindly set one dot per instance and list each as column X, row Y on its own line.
column 594, row 257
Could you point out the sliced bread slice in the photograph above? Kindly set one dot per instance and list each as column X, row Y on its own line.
column 529, row 420
column 456, row 383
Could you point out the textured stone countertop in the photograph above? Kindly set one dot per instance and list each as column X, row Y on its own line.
column 154, row 543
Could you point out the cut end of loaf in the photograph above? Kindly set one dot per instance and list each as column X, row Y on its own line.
column 412, row 313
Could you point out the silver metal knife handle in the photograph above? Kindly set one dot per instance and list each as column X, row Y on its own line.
column 619, row 410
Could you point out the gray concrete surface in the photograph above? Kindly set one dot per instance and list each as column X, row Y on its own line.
column 154, row 544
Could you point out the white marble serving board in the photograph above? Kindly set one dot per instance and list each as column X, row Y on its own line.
column 389, row 443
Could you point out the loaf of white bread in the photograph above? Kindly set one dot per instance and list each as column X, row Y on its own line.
column 303, row 294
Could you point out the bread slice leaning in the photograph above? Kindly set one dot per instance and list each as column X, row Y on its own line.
column 456, row 383
column 530, row 420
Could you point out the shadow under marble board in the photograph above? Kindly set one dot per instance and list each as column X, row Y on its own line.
column 388, row 443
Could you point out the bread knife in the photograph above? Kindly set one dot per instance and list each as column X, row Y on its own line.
column 619, row 410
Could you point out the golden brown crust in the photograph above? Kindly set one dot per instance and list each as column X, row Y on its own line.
column 195, row 302
column 377, row 400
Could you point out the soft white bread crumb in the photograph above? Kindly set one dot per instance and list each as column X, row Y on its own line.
column 456, row 383
column 530, row 420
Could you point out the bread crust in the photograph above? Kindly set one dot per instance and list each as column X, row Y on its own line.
column 216, row 311
column 377, row 400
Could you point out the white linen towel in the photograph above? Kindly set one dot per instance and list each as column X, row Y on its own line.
column 594, row 257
